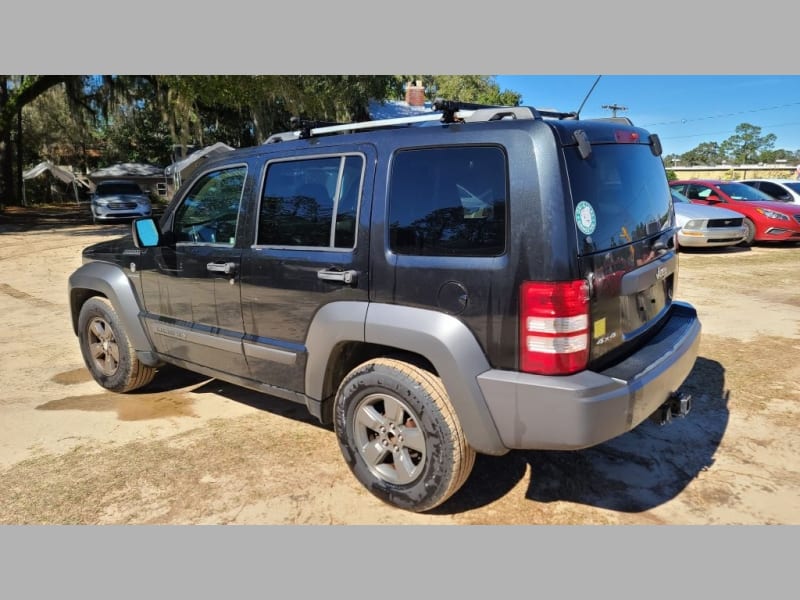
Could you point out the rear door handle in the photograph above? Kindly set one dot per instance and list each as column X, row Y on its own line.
column 227, row 268
column 349, row 277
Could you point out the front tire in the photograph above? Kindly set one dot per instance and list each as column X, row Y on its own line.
column 106, row 349
column 400, row 435
column 751, row 233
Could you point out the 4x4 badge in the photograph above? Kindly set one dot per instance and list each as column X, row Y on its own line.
column 585, row 218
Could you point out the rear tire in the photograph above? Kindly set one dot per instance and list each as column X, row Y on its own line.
column 106, row 349
column 400, row 435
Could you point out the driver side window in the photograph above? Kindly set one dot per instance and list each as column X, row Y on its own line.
column 698, row 192
column 209, row 212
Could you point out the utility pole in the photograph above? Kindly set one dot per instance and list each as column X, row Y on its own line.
column 614, row 108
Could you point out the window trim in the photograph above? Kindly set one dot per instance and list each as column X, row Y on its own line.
column 174, row 212
column 331, row 238
column 454, row 257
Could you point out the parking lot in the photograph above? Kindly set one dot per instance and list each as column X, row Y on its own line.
column 192, row 450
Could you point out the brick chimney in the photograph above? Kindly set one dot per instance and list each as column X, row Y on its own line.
column 415, row 93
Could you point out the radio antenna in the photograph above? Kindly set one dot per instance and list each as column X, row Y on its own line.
column 580, row 108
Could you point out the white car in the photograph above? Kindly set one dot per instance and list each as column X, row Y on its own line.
column 704, row 226
column 119, row 199
column 784, row 190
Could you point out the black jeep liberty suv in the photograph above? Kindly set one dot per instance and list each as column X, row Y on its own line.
column 473, row 280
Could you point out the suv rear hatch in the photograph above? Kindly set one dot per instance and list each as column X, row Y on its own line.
column 624, row 224
column 622, row 213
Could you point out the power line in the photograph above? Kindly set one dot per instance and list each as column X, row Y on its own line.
column 733, row 114
column 728, row 132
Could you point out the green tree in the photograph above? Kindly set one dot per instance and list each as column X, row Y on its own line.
column 55, row 130
column 263, row 104
column 137, row 133
column 94, row 120
column 707, row 153
column 771, row 156
column 747, row 144
column 16, row 92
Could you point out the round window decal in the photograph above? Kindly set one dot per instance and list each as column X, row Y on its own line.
column 585, row 218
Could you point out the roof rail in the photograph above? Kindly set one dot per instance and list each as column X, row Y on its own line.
column 447, row 112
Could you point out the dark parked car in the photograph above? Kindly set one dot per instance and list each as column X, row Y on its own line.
column 120, row 199
column 502, row 278
column 766, row 219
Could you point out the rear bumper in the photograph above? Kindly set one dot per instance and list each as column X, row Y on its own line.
column 588, row 408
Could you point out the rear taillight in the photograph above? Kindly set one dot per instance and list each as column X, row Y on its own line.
column 626, row 137
column 554, row 327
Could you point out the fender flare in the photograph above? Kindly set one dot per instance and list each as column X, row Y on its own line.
column 443, row 339
column 109, row 280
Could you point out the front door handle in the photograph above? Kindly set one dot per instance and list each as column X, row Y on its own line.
column 349, row 277
column 227, row 268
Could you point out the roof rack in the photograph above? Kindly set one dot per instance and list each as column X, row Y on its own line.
column 448, row 111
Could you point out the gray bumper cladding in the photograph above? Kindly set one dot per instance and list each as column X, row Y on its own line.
column 588, row 408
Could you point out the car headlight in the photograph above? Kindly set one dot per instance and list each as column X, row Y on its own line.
column 772, row 214
column 101, row 201
column 693, row 224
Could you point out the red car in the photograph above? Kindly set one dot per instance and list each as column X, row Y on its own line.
column 767, row 220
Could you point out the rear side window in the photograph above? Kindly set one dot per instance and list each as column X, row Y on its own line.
column 620, row 195
column 448, row 202
column 311, row 203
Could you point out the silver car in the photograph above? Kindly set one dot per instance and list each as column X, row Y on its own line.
column 119, row 199
column 703, row 226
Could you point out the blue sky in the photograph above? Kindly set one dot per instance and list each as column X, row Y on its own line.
column 684, row 110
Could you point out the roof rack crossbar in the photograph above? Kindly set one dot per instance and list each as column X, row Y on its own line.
column 328, row 129
column 448, row 112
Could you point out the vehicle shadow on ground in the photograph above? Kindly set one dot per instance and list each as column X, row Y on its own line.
column 635, row 472
column 716, row 250
column 171, row 378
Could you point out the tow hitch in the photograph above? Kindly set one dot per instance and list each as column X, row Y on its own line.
column 678, row 404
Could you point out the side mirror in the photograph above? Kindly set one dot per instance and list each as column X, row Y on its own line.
column 146, row 233
column 713, row 198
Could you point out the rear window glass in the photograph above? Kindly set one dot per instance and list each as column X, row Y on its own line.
column 620, row 195
column 448, row 202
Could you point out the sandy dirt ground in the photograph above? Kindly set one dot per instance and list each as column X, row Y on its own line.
column 189, row 450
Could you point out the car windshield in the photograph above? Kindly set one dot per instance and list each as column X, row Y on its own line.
column 744, row 193
column 122, row 187
column 793, row 185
